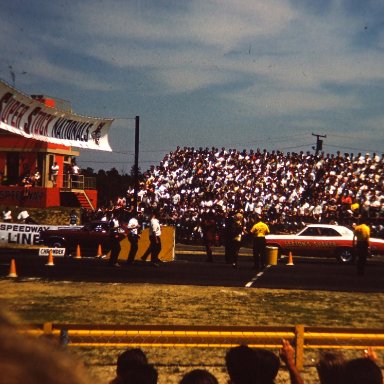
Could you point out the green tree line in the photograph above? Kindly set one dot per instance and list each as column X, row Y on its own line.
column 111, row 184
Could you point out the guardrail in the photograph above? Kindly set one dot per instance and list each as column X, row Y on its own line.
column 301, row 337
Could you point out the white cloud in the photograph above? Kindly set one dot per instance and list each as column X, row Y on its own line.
column 179, row 80
column 262, row 101
column 226, row 24
column 269, row 58
column 270, row 39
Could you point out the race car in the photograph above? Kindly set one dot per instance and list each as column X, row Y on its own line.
column 88, row 237
column 322, row 240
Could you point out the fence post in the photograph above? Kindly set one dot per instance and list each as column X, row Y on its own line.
column 64, row 338
column 299, row 338
column 47, row 329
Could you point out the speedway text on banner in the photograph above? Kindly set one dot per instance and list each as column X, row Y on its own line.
column 23, row 234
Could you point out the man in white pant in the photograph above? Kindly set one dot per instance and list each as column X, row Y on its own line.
column 155, row 239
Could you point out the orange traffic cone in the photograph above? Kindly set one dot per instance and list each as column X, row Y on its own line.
column 290, row 259
column 50, row 259
column 78, row 253
column 99, row 251
column 12, row 269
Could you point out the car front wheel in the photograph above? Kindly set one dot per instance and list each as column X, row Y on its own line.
column 345, row 256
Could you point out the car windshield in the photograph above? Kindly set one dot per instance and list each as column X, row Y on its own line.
column 325, row 232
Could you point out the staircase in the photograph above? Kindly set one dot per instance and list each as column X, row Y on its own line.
column 83, row 200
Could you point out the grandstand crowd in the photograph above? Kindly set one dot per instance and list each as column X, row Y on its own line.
column 289, row 189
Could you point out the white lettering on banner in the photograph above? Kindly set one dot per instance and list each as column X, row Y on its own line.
column 25, row 116
column 55, row 251
column 23, row 234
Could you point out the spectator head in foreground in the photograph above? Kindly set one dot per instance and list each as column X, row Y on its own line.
column 251, row 366
column 362, row 371
column 32, row 360
column 198, row 376
column 141, row 374
column 127, row 362
column 330, row 367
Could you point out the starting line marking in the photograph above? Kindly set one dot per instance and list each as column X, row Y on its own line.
column 250, row 283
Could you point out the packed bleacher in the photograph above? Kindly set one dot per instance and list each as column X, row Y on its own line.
column 288, row 189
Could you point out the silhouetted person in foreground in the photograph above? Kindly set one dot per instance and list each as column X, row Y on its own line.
column 132, row 368
column 145, row 374
column 287, row 355
column 198, row 376
column 32, row 360
column 362, row 371
column 251, row 366
column 330, row 367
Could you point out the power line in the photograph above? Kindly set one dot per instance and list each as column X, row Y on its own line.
column 296, row 146
column 281, row 138
column 353, row 149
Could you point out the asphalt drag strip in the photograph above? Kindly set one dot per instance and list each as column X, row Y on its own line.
column 321, row 274
column 193, row 269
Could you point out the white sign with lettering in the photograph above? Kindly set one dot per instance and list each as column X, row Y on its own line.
column 55, row 251
column 24, row 234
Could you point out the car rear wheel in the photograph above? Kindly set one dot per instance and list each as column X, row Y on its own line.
column 345, row 256
column 57, row 243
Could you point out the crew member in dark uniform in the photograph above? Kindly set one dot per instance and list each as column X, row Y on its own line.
column 237, row 229
column 208, row 228
column 227, row 237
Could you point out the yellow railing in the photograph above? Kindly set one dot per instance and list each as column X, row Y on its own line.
column 301, row 337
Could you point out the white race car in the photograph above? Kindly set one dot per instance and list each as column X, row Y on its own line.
column 322, row 240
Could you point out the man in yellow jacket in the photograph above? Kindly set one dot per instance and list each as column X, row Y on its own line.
column 259, row 230
column 361, row 235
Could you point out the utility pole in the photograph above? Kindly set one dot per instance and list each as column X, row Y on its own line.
column 319, row 143
column 136, row 165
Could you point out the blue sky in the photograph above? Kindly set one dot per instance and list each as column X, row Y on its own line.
column 242, row 74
